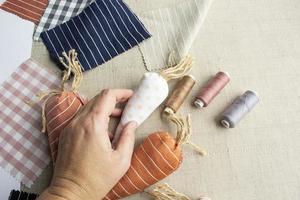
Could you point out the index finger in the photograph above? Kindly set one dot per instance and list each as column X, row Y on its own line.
column 104, row 104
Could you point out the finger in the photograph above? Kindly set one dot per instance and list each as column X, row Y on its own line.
column 115, row 95
column 104, row 104
column 126, row 142
column 117, row 112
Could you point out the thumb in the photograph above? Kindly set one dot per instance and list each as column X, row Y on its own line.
column 126, row 141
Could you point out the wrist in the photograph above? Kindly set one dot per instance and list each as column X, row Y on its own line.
column 66, row 189
column 56, row 194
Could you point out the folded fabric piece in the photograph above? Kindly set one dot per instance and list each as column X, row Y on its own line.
column 14, row 47
column 59, row 11
column 174, row 30
column 100, row 32
column 31, row 10
column 24, row 150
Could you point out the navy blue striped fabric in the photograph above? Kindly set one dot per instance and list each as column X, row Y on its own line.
column 100, row 32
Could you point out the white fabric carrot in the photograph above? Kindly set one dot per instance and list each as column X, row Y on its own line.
column 152, row 91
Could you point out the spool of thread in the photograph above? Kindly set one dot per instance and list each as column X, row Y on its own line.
column 211, row 89
column 239, row 108
column 179, row 94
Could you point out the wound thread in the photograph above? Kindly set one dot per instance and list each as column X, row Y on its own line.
column 179, row 94
column 211, row 89
column 238, row 109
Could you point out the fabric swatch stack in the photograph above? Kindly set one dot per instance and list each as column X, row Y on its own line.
column 98, row 30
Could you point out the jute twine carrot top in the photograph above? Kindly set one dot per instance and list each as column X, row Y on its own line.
column 165, row 192
column 183, row 125
column 179, row 70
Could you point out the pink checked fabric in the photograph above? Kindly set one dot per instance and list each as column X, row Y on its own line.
column 24, row 149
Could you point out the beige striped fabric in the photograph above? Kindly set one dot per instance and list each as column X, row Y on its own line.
column 173, row 29
column 156, row 158
column 60, row 110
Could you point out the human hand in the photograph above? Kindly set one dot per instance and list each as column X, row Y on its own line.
column 87, row 167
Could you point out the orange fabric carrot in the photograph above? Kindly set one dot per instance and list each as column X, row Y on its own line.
column 158, row 156
column 61, row 106
column 59, row 111
column 152, row 161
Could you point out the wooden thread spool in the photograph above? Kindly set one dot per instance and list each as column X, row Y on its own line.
column 179, row 94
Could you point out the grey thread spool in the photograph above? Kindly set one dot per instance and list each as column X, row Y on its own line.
column 239, row 108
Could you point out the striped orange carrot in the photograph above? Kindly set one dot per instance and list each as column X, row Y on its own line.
column 59, row 111
column 61, row 106
column 156, row 158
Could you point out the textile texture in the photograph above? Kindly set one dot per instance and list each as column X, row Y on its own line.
column 23, row 148
column 60, row 110
column 102, row 31
column 59, row 11
column 258, row 44
column 31, row 10
column 155, row 159
column 174, row 30
column 150, row 93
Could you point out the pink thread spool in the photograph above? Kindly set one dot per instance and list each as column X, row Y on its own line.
column 211, row 89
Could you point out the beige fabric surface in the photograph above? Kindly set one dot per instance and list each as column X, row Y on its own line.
column 174, row 29
column 258, row 43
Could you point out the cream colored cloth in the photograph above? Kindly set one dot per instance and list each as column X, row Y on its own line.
column 258, row 43
column 173, row 30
